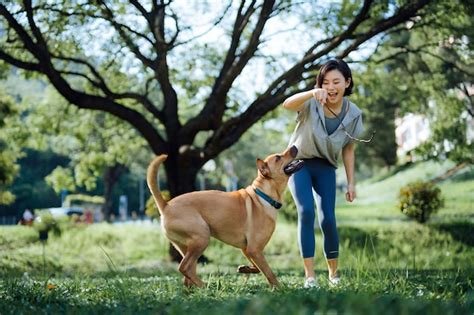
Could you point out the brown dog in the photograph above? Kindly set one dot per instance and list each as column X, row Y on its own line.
column 243, row 218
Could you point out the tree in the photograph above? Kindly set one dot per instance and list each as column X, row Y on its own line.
column 378, row 94
column 429, row 71
column 8, row 155
column 129, row 56
column 26, row 169
column 99, row 146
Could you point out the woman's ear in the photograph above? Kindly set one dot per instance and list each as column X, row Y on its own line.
column 348, row 82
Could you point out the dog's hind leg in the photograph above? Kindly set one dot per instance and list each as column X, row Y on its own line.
column 187, row 267
column 182, row 249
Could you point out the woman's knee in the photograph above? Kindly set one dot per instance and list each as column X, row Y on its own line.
column 328, row 226
column 306, row 215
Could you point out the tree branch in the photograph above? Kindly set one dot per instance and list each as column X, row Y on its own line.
column 402, row 15
column 211, row 115
column 231, row 130
column 214, row 24
column 25, row 38
column 41, row 43
column 31, row 66
column 147, row 62
column 80, row 99
column 101, row 84
column 47, row 8
column 141, row 9
column 161, row 71
column 470, row 106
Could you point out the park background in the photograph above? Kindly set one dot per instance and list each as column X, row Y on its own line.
column 92, row 90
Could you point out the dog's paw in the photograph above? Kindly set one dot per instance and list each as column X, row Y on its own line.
column 247, row 269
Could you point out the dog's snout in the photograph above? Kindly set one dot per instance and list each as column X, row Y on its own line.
column 293, row 151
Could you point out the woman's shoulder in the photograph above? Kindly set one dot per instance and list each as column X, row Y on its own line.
column 354, row 110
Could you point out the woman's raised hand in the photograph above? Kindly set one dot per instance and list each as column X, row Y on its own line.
column 320, row 95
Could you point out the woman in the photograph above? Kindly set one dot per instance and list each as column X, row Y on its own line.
column 327, row 122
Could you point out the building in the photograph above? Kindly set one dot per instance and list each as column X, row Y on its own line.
column 410, row 131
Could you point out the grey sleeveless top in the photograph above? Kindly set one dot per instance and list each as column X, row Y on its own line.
column 312, row 138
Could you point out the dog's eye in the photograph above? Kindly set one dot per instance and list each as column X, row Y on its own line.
column 278, row 158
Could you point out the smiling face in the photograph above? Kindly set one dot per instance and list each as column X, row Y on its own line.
column 335, row 76
column 336, row 85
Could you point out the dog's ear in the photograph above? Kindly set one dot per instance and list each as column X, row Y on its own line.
column 263, row 168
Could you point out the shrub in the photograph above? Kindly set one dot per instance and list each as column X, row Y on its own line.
column 288, row 211
column 45, row 223
column 151, row 210
column 419, row 200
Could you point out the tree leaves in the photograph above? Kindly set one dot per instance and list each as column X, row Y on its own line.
column 8, row 155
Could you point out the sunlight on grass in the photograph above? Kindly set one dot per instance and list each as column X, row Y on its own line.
column 388, row 264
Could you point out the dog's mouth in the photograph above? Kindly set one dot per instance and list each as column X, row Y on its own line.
column 293, row 167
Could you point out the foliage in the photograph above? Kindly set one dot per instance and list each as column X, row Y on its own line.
column 380, row 103
column 100, row 147
column 93, row 141
column 44, row 222
column 419, row 200
column 178, row 80
column 425, row 70
column 289, row 211
column 263, row 139
column 29, row 186
column 61, row 178
column 151, row 210
column 33, row 192
column 449, row 132
column 8, row 155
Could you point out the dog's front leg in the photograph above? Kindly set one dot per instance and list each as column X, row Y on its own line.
column 257, row 257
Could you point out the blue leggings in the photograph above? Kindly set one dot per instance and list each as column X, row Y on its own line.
column 318, row 175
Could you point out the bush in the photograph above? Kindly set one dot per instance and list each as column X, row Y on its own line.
column 151, row 210
column 419, row 200
column 288, row 211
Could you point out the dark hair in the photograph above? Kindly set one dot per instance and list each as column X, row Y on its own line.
column 341, row 66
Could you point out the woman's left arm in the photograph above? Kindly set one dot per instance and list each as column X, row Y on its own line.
column 348, row 157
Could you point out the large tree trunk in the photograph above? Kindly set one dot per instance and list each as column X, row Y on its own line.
column 111, row 177
column 181, row 174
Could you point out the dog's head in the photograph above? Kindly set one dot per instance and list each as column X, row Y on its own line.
column 280, row 166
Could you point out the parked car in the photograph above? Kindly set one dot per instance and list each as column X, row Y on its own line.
column 58, row 212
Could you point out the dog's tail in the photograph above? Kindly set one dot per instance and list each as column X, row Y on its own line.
column 151, row 176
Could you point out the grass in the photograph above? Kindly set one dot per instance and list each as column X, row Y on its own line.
column 377, row 200
column 232, row 294
column 389, row 264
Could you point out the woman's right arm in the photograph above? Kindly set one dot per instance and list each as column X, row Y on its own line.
column 295, row 102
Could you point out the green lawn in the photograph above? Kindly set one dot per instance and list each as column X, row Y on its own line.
column 377, row 200
column 389, row 264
